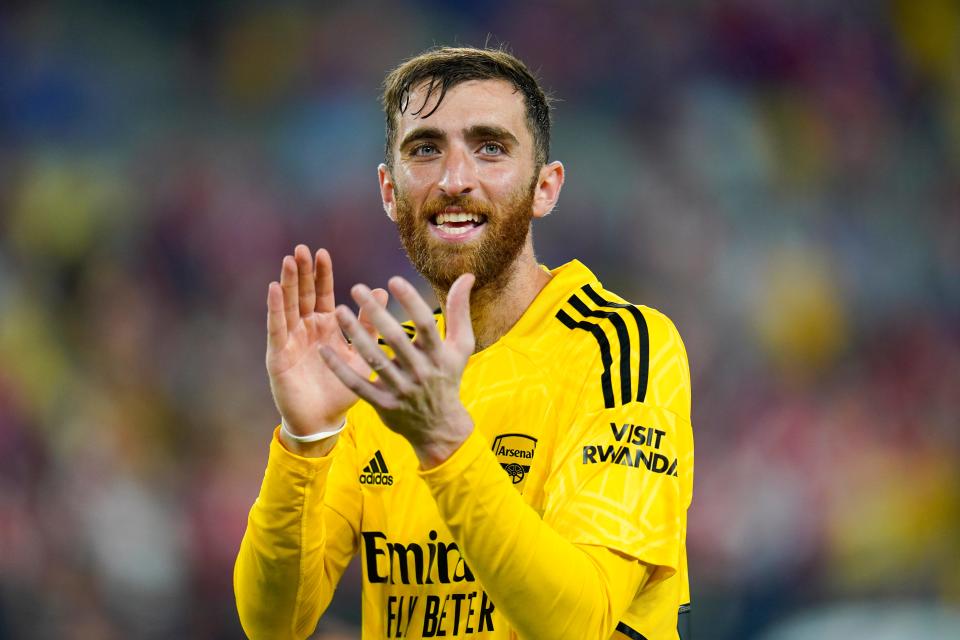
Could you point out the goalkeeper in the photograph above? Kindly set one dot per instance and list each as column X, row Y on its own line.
column 516, row 464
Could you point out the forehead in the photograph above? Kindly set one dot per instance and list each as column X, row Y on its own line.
column 487, row 102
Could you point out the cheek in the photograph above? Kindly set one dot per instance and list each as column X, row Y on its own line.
column 503, row 183
column 413, row 182
column 499, row 176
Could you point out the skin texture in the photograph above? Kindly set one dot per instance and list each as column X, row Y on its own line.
column 474, row 151
column 300, row 318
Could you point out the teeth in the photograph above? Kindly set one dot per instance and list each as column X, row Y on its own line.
column 443, row 218
column 456, row 231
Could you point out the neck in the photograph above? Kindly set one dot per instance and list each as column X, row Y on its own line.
column 497, row 305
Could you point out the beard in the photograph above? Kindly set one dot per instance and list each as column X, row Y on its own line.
column 490, row 258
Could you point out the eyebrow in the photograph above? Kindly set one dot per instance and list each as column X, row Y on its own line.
column 476, row 132
column 422, row 133
column 490, row 132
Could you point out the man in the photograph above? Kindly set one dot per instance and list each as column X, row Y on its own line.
column 517, row 465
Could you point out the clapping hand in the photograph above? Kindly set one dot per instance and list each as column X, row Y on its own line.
column 301, row 320
column 417, row 392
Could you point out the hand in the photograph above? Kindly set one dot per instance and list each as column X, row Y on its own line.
column 300, row 318
column 417, row 393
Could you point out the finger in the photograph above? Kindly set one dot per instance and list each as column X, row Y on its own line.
column 306, row 287
column 411, row 359
column 324, row 281
column 355, row 382
column 373, row 355
column 419, row 311
column 380, row 296
column 288, row 282
column 276, row 324
column 459, row 325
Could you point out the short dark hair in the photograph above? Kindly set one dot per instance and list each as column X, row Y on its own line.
column 446, row 67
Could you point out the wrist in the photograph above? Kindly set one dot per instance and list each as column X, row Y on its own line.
column 310, row 449
column 437, row 450
column 313, row 445
column 434, row 454
column 318, row 434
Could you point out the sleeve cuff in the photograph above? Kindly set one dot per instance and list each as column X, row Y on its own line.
column 456, row 465
column 291, row 462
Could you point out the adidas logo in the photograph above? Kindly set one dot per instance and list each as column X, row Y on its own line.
column 376, row 471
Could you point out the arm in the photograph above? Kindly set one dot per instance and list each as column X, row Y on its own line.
column 613, row 523
column 302, row 529
column 297, row 543
column 545, row 585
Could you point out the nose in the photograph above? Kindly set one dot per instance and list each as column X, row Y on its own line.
column 459, row 173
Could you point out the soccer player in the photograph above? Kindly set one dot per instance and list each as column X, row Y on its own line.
column 516, row 464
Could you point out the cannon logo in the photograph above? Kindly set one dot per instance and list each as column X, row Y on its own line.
column 514, row 452
column 376, row 472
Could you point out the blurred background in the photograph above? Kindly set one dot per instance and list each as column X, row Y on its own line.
column 781, row 178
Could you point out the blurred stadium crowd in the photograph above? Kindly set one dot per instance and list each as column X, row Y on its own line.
column 781, row 178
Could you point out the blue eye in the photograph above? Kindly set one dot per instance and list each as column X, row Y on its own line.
column 423, row 150
column 492, row 148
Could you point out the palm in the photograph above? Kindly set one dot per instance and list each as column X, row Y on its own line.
column 300, row 321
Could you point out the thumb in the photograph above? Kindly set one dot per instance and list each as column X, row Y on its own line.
column 380, row 296
column 459, row 325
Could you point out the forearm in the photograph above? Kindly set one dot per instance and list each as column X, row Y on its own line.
column 293, row 551
column 542, row 582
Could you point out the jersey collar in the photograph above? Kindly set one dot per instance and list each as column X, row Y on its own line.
column 566, row 279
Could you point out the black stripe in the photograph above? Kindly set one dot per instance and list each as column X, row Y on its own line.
column 367, row 468
column 605, row 356
column 374, row 468
column 642, row 332
column 683, row 626
column 630, row 633
column 622, row 334
column 383, row 464
column 683, row 622
column 410, row 331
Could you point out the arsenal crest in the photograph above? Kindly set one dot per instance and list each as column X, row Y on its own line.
column 514, row 452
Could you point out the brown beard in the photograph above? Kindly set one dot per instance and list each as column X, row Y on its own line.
column 489, row 260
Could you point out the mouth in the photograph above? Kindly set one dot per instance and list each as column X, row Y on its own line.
column 454, row 224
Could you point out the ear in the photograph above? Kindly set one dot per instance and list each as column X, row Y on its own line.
column 387, row 194
column 547, row 190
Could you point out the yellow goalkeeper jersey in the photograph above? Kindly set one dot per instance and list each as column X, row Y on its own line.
column 562, row 516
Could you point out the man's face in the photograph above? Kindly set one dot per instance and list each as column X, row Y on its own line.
column 462, row 186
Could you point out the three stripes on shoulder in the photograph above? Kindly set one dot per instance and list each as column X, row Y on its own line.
column 589, row 311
